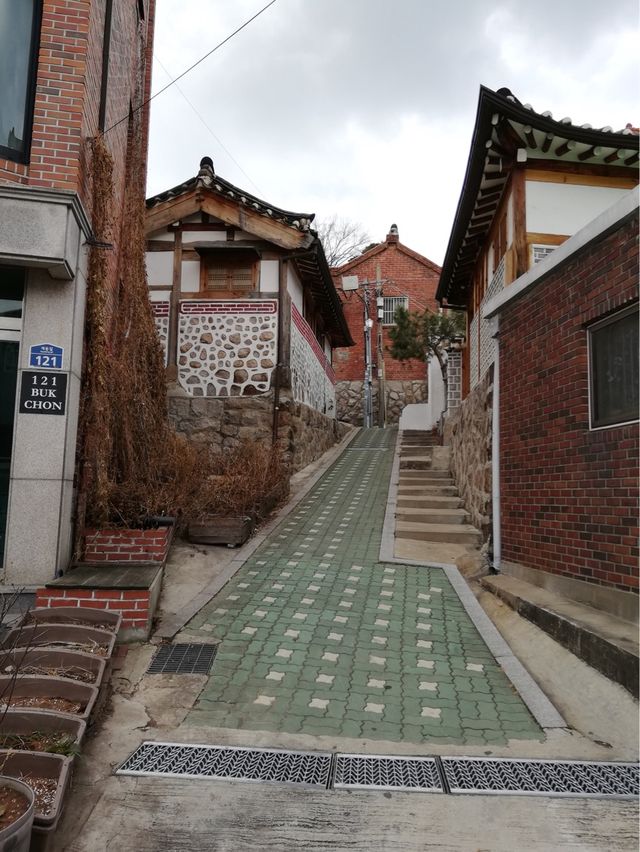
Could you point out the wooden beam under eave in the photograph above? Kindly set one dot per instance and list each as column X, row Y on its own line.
column 166, row 212
column 519, row 223
column 233, row 213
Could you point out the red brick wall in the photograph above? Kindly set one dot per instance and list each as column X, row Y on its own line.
column 133, row 604
column 68, row 91
column 410, row 277
column 124, row 545
column 569, row 496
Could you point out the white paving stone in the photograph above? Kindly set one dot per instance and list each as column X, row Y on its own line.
column 293, row 634
column 375, row 684
column 377, row 661
column 381, row 622
column 424, row 643
column 249, row 630
column 353, row 579
column 384, row 607
column 260, row 613
column 475, row 667
column 300, row 616
column 308, row 601
column 428, row 685
column 319, row 703
column 426, row 664
column 341, row 619
column 329, row 657
column 277, row 586
column 243, row 585
column 313, row 588
column 285, row 653
column 423, row 597
column 349, row 591
column 319, row 576
column 423, row 610
column 373, row 708
column 323, row 678
column 337, row 637
column 220, row 611
column 422, row 625
column 268, row 599
column 265, row 700
column 379, row 640
column 431, row 712
column 274, row 675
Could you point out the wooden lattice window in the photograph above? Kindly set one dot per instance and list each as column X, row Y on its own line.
column 229, row 273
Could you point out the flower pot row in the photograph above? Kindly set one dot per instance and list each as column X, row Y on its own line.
column 53, row 671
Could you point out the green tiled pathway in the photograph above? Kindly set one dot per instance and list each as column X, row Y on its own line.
column 319, row 637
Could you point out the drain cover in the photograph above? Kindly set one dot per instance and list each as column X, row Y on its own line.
column 383, row 772
column 241, row 764
column 540, row 777
column 185, row 658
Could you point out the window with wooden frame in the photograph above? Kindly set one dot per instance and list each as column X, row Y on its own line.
column 229, row 272
column 613, row 369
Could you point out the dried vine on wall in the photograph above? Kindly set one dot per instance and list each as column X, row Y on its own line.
column 131, row 464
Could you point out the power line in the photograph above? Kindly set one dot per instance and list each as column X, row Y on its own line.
column 217, row 138
column 195, row 64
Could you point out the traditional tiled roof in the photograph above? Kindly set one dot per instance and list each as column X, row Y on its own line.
column 507, row 132
column 207, row 178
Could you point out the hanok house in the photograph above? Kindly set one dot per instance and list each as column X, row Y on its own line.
column 389, row 275
column 248, row 315
column 544, row 444
column 69, row 70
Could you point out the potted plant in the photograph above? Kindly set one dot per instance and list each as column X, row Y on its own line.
column 16, row 815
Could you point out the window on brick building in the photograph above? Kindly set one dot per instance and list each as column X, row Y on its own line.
column 391, row 304
column 613, row 368
column 235, row 272
column 19, row 26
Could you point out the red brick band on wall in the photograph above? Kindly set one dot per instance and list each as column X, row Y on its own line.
column 160, row 309
column 569, row 493
column 307, row 332
column 241, row 307
column 127, row 545
column 133, row 604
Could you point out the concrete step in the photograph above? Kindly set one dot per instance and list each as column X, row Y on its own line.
column 432, row 516
column 454, row 533
column 416, row 452
column 415, row 463
column 420, row 490
column 433, row 502
column 428, row 473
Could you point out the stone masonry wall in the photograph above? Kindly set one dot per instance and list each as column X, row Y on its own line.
column 312, row 376
column 227, row 349
column 223, row 423
column 350, row 399
column 469, row 431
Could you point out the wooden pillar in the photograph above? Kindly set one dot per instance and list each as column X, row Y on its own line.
column 174, row 317
column 519, row 223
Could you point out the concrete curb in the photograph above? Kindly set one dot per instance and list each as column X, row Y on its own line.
column 540, row 707
column 172, row 624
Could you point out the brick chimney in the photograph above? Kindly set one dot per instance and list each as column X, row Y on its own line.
column 393, row 236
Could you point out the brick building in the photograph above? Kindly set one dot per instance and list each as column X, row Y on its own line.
column 69, row 69
column 569, row 439
column 407, row 279
column 543, row 258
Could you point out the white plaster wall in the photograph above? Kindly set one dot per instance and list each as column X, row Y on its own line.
column 559, row 208
column 204, row 236
column 190, row 282
column 159, row 267
column 435, row 403
column 328, row 351
column 164, row 236
column 269, row 276
column 295, row 288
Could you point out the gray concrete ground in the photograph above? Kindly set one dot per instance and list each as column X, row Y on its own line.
column 106, row 812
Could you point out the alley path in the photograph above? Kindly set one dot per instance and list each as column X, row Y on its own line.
column 318, row 637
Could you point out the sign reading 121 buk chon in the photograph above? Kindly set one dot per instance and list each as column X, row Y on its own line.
column 47, row 356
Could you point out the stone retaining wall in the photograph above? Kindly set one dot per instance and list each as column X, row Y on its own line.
column 468, row 431
column 304, row 434
column 350, row 399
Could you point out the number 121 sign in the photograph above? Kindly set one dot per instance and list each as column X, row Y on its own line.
column 46, row 356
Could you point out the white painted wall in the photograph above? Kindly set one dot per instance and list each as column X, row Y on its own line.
column 159, row 267
column 269, row 276
column 294, row 288
column 163, row 236
column 564, row 208
column 204, row 236
column 190, row 276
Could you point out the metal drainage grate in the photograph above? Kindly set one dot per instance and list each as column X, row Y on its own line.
column 383, row 772
column 185, row 658
column 540, row 777
column 229, row 762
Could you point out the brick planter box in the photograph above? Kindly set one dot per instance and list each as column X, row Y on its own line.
column 127, row 545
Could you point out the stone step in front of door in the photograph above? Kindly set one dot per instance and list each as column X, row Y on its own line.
column 429, row 473
column 433, row 502
column 452, row 533
column 416, row 452
column 415, row 463
column 433, row 516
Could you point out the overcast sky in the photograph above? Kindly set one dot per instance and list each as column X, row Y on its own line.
column 365, row 108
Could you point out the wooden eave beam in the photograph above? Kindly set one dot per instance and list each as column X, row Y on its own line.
column 170, row 211
column 233, row 213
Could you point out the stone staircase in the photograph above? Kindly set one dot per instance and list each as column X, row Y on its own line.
column 429, row 511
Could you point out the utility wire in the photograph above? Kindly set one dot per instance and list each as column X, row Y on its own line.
column 191, row 67
column 217, row 138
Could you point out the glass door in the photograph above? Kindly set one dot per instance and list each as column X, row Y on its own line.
column 11, row 299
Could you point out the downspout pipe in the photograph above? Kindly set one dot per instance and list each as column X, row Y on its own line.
column 495, row 453
column 282, row 289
